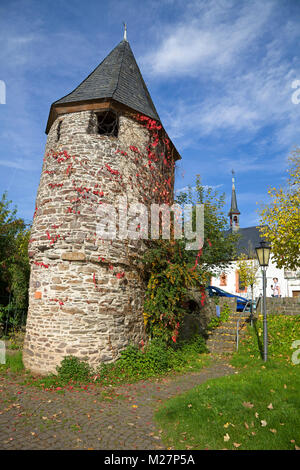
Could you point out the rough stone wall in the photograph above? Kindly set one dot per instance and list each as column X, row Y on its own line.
column 282, row 306
column 86, row 294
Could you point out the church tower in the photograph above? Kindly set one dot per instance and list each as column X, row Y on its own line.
column 105, row 141
column 234, row 213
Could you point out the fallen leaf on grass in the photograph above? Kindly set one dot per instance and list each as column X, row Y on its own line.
column 226, row 437
column 273, row 431
column 270, row 406
column 263, row 423
column 236, row 444
column 247, row 404
column 246, row 425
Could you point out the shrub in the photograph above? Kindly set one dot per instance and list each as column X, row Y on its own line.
column 71, row 368
column 156, row 359
column 217, row 321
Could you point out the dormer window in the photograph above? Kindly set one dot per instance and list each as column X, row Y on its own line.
column 107, row 123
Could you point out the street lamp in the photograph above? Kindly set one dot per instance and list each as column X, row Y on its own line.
column 263, row 255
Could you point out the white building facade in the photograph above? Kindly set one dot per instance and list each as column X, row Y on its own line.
column 289, row 281
column 250, row 238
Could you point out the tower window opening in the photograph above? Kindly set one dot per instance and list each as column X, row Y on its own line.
column 107, row 124
column 58, row 131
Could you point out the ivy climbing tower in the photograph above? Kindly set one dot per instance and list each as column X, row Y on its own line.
column 105, row 140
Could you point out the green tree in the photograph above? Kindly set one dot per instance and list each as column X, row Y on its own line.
column 171, row 270
column 280, row 219
column 14, row 262
column 219, row 246
column 248, row 271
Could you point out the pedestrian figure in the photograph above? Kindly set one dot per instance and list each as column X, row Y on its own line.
column 276, row 288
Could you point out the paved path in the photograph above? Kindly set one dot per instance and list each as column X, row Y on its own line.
column 34, row 419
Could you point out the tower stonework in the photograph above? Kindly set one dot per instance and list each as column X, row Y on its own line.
column 86, row 292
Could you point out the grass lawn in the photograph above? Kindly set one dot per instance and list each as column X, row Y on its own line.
column 256, row 408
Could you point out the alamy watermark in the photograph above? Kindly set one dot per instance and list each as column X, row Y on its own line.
column 139, row 222
column 296, row 354
column 296, row 95
column 2, row 352
column 2, row 92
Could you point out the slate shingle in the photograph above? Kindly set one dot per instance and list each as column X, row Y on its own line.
column 250, row 238
column 117, row 77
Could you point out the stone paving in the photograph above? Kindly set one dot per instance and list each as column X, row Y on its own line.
column 31, row 418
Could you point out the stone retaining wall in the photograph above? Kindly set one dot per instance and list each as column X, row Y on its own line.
column 283, row 305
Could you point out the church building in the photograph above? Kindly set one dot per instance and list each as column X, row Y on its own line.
column 250, row 238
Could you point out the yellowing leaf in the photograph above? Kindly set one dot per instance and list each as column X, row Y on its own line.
column 236, row 444
column 247, row 404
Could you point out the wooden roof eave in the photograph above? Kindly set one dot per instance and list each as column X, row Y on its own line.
column 96, row 105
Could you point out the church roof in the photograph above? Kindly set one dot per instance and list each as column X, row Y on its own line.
column 250, row 238
column 117, row 77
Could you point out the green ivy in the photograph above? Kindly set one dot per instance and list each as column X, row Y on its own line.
column 170, row 275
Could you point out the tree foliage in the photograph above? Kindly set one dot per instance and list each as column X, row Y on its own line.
column 172, row 270
column 14, row 262
column 248, row 270
column 280, row 219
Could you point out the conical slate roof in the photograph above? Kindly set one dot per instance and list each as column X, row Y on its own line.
column 234, row 207
column 117, row 77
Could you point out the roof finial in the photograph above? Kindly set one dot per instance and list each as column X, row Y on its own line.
column 125, row 31
column 232, row 171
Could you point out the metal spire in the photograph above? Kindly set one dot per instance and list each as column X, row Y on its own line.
column 233, row 179
column 125, row 31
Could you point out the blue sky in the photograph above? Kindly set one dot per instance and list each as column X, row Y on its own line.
column 220, row 73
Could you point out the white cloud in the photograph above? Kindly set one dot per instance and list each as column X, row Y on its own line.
column 232, row 57
column 208, row 37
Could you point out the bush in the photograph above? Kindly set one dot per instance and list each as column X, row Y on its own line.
column 72, row 369
column 217, row 321
column 156, row 359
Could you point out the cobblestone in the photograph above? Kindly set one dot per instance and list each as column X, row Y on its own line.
column 31, row 418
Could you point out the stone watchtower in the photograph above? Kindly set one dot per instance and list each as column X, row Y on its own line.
column 105, row 140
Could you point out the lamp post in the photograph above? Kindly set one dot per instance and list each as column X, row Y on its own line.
column 263, row 255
